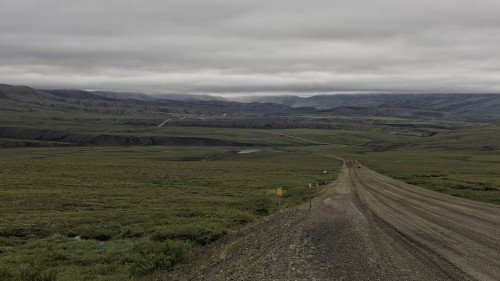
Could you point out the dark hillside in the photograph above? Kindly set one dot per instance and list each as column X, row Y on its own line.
column 77, row 94
column 24, row 94
column 472, row 106
column 52, row 136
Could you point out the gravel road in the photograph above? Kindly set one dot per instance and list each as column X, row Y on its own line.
column 365, row 226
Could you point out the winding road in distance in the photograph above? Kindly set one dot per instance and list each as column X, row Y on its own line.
column 366, row 226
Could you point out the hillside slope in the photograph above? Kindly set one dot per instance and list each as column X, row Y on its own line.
column 469, row 105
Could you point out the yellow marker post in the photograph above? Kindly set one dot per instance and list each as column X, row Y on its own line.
column 279, row 191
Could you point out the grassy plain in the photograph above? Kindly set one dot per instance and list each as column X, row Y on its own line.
column 116, row 213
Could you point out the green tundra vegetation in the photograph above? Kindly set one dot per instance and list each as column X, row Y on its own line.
column 115, row 213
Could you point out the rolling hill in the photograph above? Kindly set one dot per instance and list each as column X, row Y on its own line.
column 467, row 107
column 455, row 106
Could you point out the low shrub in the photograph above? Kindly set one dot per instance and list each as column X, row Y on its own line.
column 260, row 206
column 29, row 274
column 202, row 233
column 97, row 233
column 152, row 256
column 5, row 274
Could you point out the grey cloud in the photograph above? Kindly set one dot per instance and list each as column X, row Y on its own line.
column 228, row 46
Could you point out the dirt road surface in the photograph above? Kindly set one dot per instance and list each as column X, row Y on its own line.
column 365, row 226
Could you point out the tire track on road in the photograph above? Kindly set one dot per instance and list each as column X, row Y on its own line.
column 463, row 232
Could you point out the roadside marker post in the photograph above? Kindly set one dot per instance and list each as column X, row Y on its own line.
column 279, row 193
column 310, row 195
column 325, row 173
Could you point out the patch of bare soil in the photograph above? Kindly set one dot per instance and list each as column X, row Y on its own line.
column 246, row 151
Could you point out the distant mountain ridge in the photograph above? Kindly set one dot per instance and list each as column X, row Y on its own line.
column 473, row 104
column 123, row 95
column 470, row 107
column 77, row 94
column 23, row 93
column 111, row 95
column 25, row 98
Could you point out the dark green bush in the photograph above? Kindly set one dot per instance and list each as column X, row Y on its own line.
column 96, row 233
column 5, row 274
column 152, row 256
column 29, row 274
column 201, row 233
column 259, row 206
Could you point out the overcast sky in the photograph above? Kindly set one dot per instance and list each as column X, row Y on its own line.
column 252, row 47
